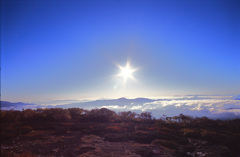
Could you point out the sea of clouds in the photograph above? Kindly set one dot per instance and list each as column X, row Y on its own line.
column 222, row 107
column 197, row 106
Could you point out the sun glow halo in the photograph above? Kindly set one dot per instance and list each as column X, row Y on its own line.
column 126, row 72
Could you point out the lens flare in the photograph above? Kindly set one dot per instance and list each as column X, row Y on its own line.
column 126, row 72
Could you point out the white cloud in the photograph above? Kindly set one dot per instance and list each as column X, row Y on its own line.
column 210, row 106
column 194, row 106
column 139, row 107
column 199, row 106
column 115, row 107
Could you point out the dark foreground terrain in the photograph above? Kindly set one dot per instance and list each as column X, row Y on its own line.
column 102, row 132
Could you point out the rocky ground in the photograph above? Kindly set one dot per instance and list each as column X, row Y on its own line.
column 76, row 143
column 103, row 133
column 112, row 143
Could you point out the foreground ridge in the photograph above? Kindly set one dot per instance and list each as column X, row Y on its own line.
column 102, row 132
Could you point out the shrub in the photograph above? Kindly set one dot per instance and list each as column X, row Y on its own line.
column 56, row 114
column 29, row 114
column 127, row 115
column 145, row 116
column 11, row 116
column 100, row 115
column 76, row 113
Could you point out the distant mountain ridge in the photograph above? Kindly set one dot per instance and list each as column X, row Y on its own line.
column 210, row 106
column 99, row 103
column 5, row 105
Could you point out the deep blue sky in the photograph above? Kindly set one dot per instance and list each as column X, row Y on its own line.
column 67, row 49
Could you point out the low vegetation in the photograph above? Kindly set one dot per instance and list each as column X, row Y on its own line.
column 67, row 132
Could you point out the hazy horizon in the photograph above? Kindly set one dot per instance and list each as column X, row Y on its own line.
column 223, row 107
column 38, row 101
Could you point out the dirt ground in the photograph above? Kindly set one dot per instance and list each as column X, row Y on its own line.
column 74, row 143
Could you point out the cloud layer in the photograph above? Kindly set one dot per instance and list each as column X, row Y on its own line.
column 211, row 106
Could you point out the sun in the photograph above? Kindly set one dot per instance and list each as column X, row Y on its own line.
column 126, row 72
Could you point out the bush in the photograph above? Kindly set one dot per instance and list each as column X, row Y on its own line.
column 29, row 114
column 11, row 116
column 76, row 113
column 56, row 114
column 100, row 115
column 127, row 116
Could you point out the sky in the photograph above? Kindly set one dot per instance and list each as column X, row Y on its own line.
column 61, row 49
